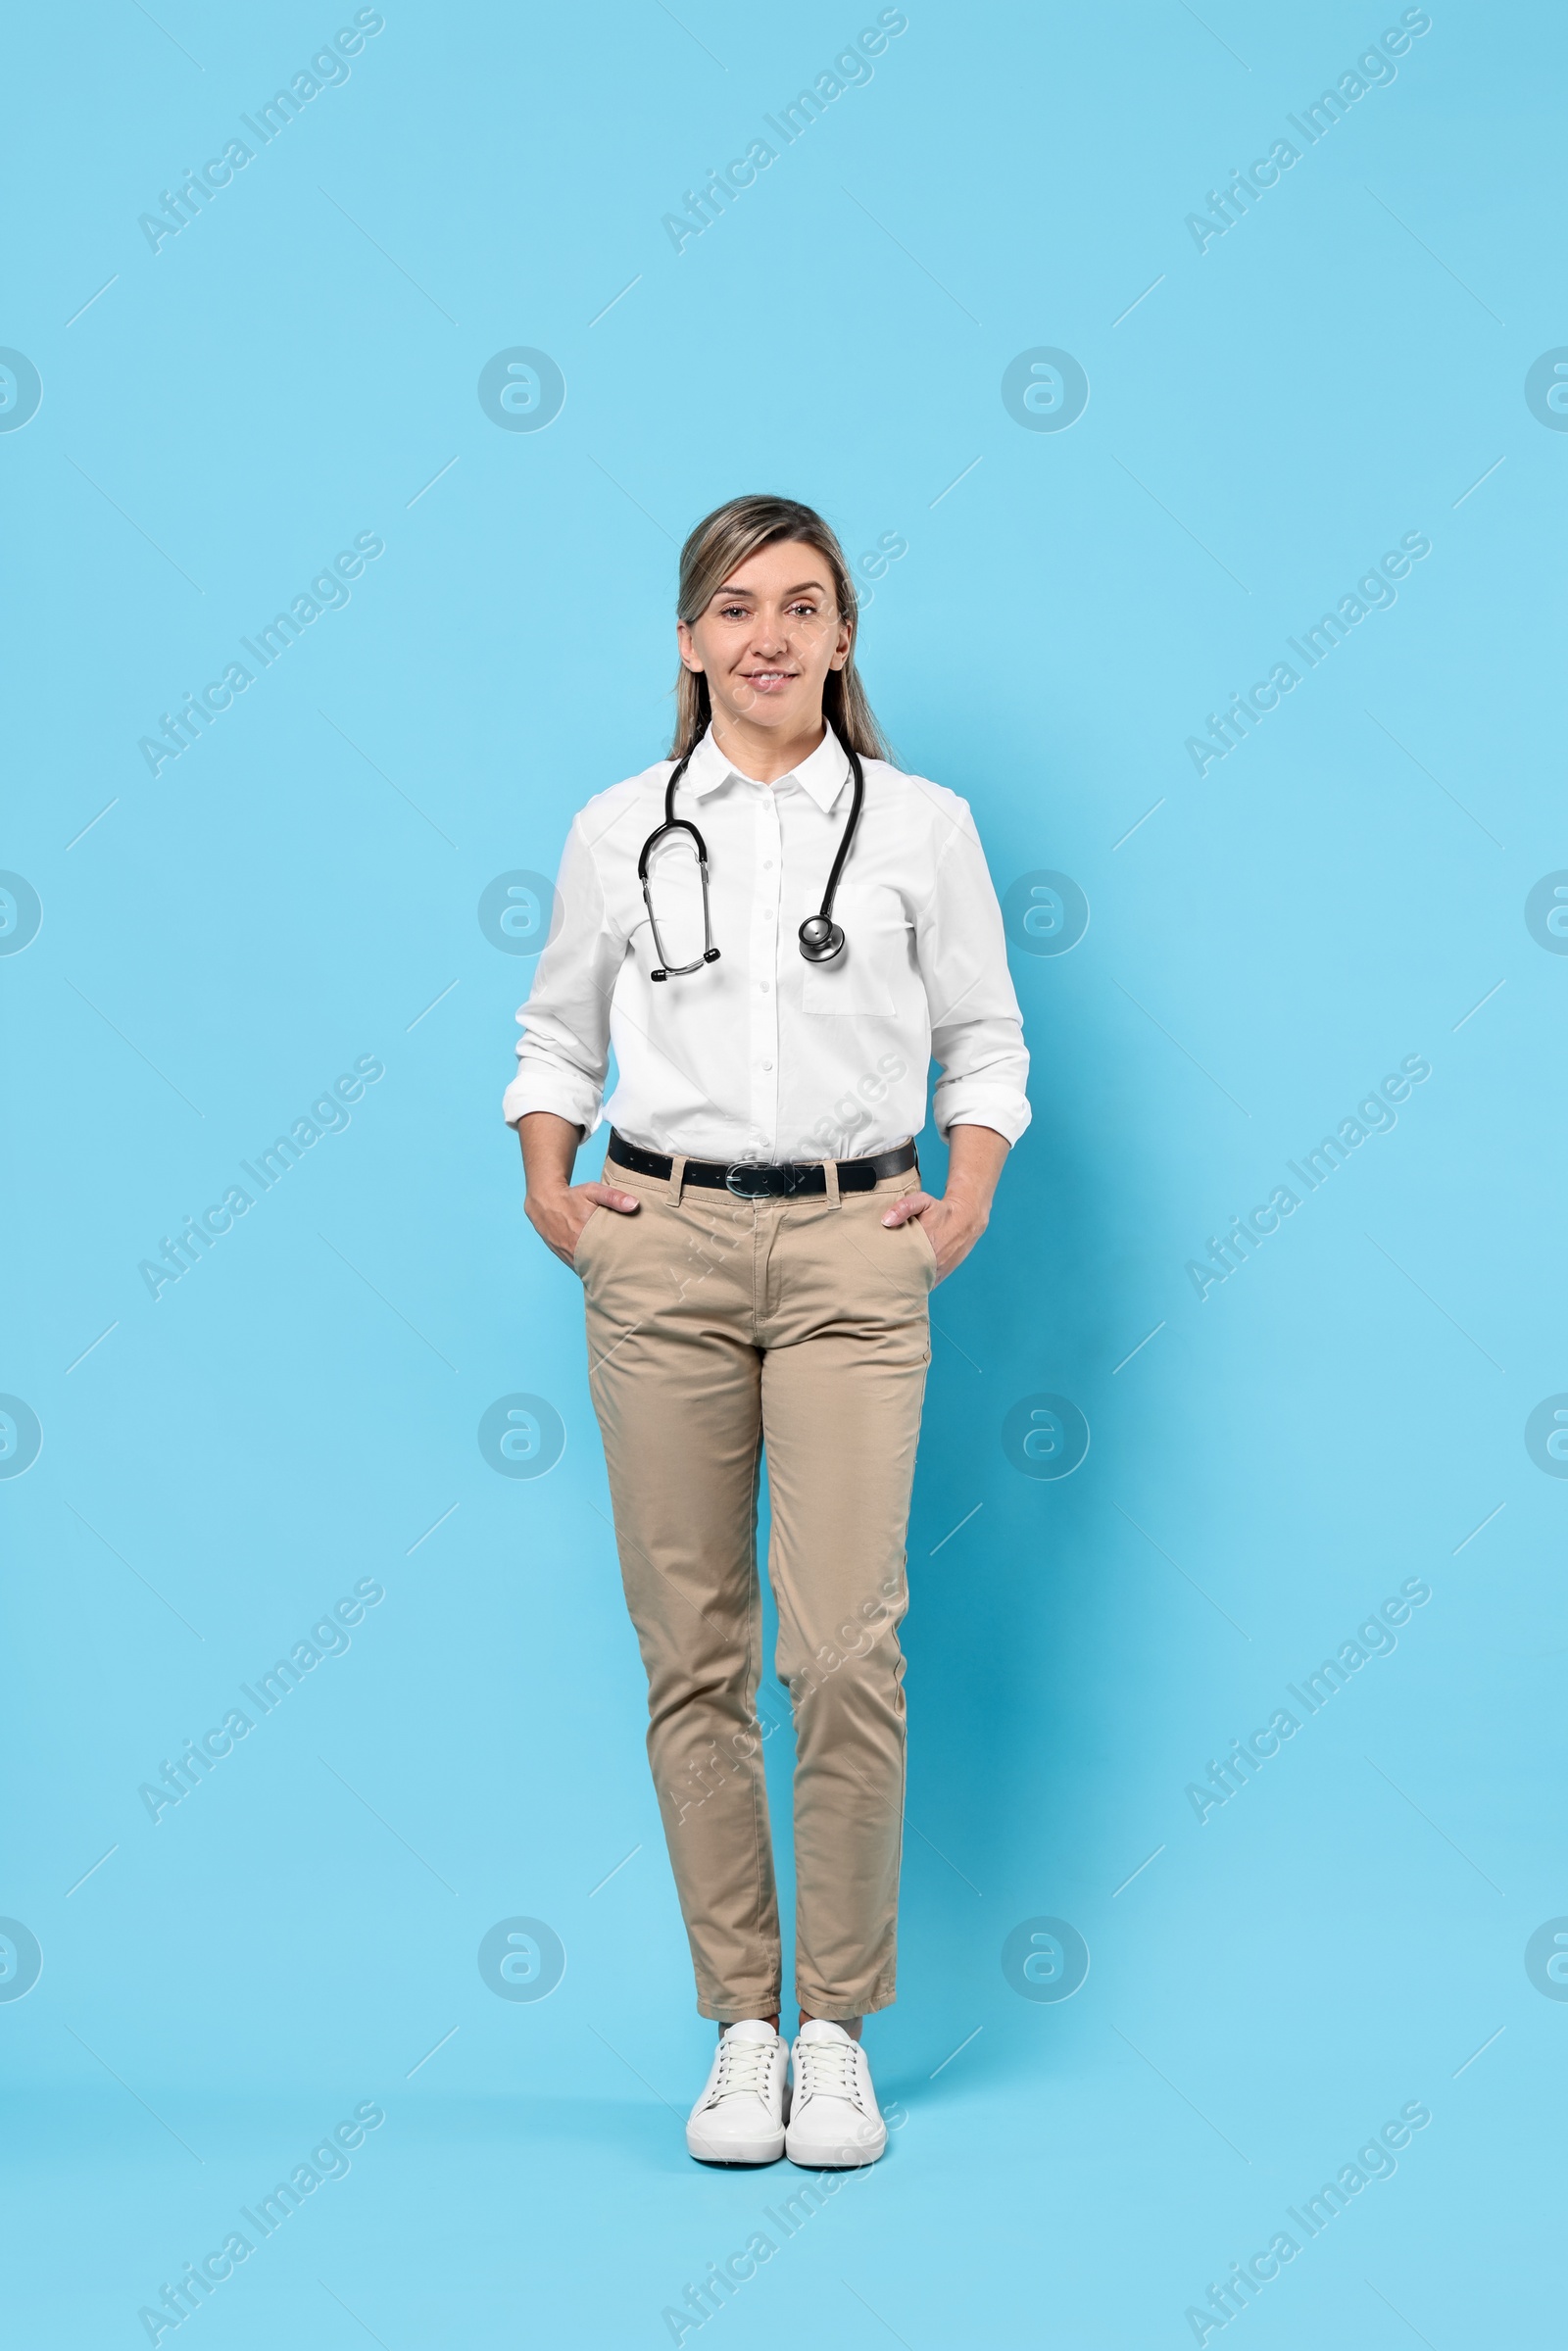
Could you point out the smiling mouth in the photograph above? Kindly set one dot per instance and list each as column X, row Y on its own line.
column 769, row 681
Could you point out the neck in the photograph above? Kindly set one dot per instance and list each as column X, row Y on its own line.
column 761, row 753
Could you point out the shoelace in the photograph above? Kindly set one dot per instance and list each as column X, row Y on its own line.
column 830, row 2070
column 742, row 2067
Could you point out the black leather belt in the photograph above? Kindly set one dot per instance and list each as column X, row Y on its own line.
column 747, row 1181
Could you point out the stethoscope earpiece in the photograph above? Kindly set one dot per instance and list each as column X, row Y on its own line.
column 821, row 938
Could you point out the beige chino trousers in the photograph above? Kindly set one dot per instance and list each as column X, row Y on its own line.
column 719, row 1331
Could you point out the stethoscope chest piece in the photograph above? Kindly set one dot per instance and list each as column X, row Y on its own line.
column 820, row 939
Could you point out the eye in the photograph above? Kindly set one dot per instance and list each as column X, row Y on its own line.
column 732, row 611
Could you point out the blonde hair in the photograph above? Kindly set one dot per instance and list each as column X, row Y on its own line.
column 723, row 540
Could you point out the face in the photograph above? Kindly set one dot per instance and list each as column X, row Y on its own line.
column 768, row 641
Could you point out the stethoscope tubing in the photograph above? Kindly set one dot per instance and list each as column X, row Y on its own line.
column 665, row 970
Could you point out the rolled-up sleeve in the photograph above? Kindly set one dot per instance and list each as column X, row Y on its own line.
column 976, row 1028
column 563, row 1052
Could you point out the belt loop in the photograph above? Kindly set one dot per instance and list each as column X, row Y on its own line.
column 830, row 1180
column 677, row 1177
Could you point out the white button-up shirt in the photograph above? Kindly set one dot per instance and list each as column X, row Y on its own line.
column 760, row 1055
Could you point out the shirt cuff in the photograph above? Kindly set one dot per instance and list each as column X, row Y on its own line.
column 533, row 1089
column 969, row 1106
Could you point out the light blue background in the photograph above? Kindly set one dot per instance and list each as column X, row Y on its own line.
column 300, row 888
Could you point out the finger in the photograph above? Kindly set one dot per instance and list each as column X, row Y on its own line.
column 605, row 1196
column 912, row 1204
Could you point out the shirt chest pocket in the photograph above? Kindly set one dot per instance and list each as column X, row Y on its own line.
column 863, row 977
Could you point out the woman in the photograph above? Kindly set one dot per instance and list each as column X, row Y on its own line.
column 757, row 1264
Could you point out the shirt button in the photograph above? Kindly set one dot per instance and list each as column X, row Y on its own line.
column 766, row 984
column 767, row 1065
column 767, row 865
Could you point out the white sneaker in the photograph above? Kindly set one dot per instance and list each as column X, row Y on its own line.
column 835, row 2123
column 740, row 2116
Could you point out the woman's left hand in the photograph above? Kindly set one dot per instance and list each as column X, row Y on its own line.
column 953, row 1225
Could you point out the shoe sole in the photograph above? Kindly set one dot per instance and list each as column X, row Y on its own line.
column 741, row 2154
column 842, row 2161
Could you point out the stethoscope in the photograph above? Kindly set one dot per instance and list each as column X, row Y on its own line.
column 821, row 938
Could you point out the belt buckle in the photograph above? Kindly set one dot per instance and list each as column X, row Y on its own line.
column 753, row 1167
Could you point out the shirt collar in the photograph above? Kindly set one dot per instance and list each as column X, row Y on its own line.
column 820, row 778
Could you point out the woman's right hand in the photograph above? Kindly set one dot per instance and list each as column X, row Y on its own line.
column 558, row 1212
